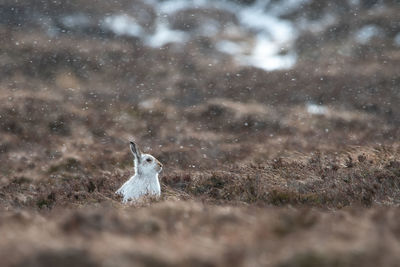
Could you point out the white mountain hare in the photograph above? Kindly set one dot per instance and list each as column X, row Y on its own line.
column 145, row 181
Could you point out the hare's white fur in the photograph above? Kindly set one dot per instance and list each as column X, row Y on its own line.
column 145, row 181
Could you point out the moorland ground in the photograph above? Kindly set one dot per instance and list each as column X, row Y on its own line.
column 254, row 172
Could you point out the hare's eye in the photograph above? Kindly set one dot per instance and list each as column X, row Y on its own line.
column 149, row 160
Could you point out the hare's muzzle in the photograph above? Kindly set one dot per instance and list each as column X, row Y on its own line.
column 159, row 165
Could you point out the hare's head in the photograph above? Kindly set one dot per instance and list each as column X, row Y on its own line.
column 144, row 163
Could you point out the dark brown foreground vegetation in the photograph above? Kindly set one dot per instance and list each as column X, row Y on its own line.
column 251, row 176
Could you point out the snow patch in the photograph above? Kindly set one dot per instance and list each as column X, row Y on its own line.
column 397, row 39
column 316, row 109
column 367, row 33
column 164, row 35
column 261, row 19
column 266, row 55
column 123, row 25
column 229, row 47
column 75, row 20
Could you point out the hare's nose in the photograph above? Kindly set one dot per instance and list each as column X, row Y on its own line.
column 159, row 164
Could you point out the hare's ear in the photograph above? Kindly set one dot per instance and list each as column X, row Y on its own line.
column 136, row 151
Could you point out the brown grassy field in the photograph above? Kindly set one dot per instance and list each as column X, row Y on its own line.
column 251, row 177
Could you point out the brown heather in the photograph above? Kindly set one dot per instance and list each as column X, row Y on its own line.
column 250, row 177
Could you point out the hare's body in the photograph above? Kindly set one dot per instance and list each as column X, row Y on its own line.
column 138, row 186
column 145, row 181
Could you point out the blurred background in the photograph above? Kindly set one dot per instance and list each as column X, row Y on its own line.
column 247, row 103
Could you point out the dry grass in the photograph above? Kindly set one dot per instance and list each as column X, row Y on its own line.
column 251, row 177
